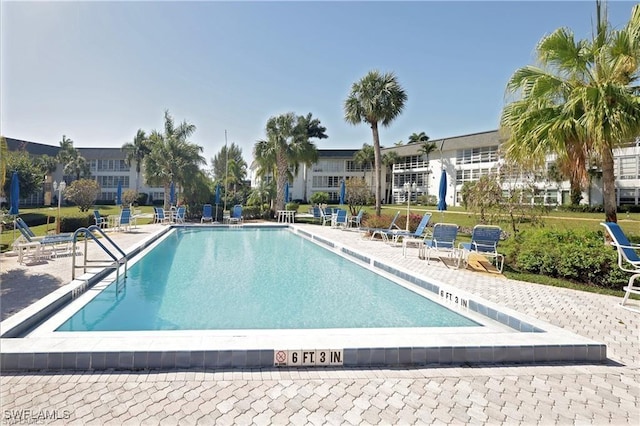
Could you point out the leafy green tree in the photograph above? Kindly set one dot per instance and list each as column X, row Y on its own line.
column 288, row 144
column 418, row 138
column 231, row 152
column 581, row 101
column 83, row 193
column 74, row 164
column 375, row 99
column 388, row 160
column 4, row 150
column 136, row 151
column 29, row 173
column 172, row 157
column 358, row 194
column 484, row 197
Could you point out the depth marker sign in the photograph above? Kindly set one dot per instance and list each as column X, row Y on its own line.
column 307, row 358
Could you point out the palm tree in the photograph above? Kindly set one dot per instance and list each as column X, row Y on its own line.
column 425, row 150
column 136, row 150
column 389, row 159
column 287, row 146
column 376, row 98
column 4, row 150
column 418, row 137
column 365, row 158
column 172, row 157
column 76, row 165
column 581, row 102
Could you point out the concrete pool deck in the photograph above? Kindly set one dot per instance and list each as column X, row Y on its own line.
column 489, row 394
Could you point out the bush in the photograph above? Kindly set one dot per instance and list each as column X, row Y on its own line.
column 292, row 206
column 82, row 192
column 319, row 198
column 578, row 256
column 373, row 221
column 71, row 224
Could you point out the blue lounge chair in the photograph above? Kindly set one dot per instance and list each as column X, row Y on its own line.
column 54, row 242
column 384, row 231
column 101, row 222
column 207, row 213
column 484, row 241
column 628, row 260
column 395, row 235
column 443, row 239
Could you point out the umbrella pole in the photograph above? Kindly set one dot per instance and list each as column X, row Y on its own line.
column 216, row 220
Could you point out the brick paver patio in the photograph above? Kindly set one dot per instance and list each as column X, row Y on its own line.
column 512, row 394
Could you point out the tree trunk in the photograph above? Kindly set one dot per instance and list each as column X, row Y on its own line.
column 609, row 186
column 377, row 166
column 282, row 166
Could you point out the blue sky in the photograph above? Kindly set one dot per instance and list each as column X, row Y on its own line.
column 97, row 72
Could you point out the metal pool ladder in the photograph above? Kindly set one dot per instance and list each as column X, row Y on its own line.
column 114, row 263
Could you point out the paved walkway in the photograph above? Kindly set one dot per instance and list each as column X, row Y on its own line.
column 552, row 394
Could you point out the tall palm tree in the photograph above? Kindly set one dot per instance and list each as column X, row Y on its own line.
column 172, row 157
column 365, row 158
column 582, row 101
column 135, row 151
column 76, row 165
column 287, row 146
column 389, row 159
column 418, row 137
column 376, row 98
column 425, row 150
column 4, row 150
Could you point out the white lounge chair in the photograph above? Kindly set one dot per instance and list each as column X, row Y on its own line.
column 628, row 260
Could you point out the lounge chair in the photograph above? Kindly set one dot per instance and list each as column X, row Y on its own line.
column 484, row 241
column 628, row 260
column 207, row 213
column 396, row 234
column 326, row 215
column 384, row 231
column 53, row 242
column 101, row 222
column 443, row 240
column 236, row 215
column 356, row 220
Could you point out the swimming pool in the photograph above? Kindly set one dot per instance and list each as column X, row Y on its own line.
column 221, row 279
column 29, row 339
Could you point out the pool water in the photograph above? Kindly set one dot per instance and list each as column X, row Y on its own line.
column 260, row 278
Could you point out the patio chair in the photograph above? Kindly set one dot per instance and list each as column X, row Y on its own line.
column 443, row 240
column 207, row 213
column 628, row 260
column 326, row 215
column 180, row 213
column 339, row 219
column 396, row 234
column 236, row 215
column 101, row 222
column 160, row 216
column 384, row 231
column 124, row 221
column 356, row 220
column 484, row 242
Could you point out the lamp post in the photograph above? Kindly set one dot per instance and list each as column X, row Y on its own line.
column 60, row 187
column 409, row 187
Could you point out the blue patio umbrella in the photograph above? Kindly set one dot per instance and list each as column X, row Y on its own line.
column 217, row 198
column 442, row 192
column 119, row 194
column 172, row 193
column 14, row 194
column 286, row 192
column 343, row 192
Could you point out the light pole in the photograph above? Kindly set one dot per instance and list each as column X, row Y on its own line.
column 409, row 187
column 60, row 187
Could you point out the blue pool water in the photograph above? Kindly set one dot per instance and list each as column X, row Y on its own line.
column 260, row 278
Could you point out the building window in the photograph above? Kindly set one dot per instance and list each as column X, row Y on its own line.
column 628, row 168
column 485, row 154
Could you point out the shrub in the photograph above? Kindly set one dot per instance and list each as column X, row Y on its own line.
column 292, row 206
column 83, row 192
column 129, row 196
column 373, row 221
column 319, row 198
column 578, row 256
column 71, row 224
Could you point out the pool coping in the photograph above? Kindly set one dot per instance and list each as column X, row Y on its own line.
column 532, row 341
